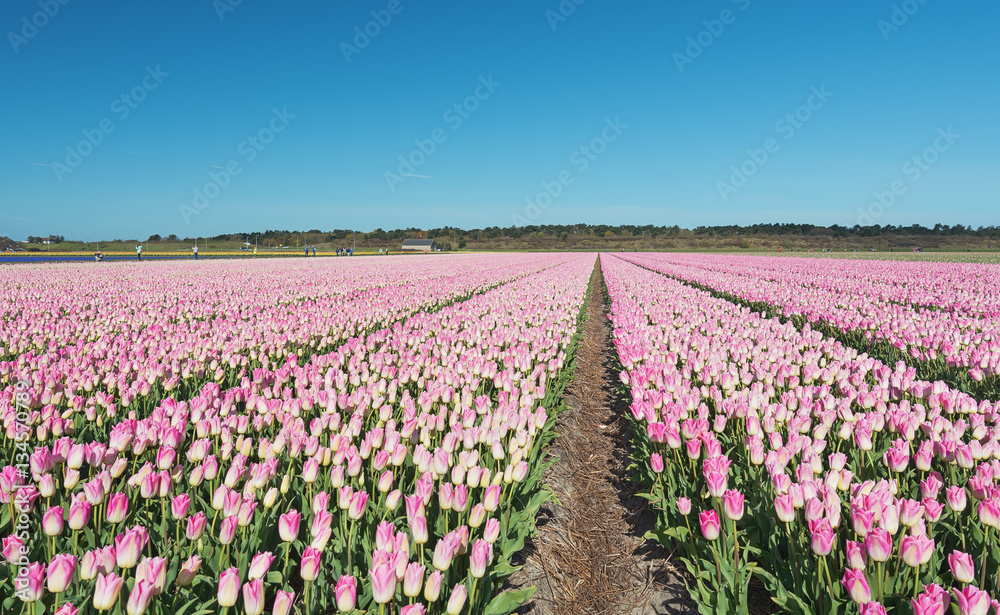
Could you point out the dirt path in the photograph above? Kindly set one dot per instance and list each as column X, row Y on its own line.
column 589, row 556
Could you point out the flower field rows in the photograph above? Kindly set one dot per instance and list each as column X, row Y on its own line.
column 843, row 484
column 944, row 316
column 331, row 440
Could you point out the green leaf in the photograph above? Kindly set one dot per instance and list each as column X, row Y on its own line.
column 508, row 601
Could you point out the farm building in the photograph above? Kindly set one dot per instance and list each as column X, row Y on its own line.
column 419, row 245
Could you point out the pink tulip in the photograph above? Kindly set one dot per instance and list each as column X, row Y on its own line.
column 188, row 571
column 106, row 592
column 822, row 537
column 710, row 524
column 229, row 587
column 309, row 569
column 139, row 598
column 855, row 555
column 684, row 506
column 288, row 525
column 128, row 546
column 972, row 601
column 432, row 586
column 878, row 544
column 117, row 508
column 180, row 505
column 413, row 609
column 482, row 554
column 925, row 604
column 456, row 602
column 732, row 504
column 60, row 573
column 67, row 609
column 79, row 514
column 961, row 567
column 52, row 521
column 346, row 593
column 955, row 498
column 29, row 584
column 856, row 584
column 259, row 565
column 283, row 602
column 253, row 597
column 196, row 524
column 784, row 508
column 656, row 463
column 989, row 513
column 916, row 550
column 383, row 579
column 154, row 570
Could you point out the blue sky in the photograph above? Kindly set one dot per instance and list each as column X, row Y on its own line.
column 665, row 123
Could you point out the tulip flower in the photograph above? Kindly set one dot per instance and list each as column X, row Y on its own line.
column 180, row 505
column 288, row 525
column 346, row 593
column 67, row 609
column 916, row 550
column 878, row 544
column 732, row 504
column 259, row 565
column 309, row 568
column 29, row 584
column 971, row 600
column 52, row 521
column 196, row 524
column 60, row 573
column 383, row 579
column 283, row 602
column 253, row 597
column 188, row 571
column 710, row 524
column 856, row 585
column 962, row 567
column 139, row 598
column 106, row 592
column 128, row 546
column 457, row 600
column 684, row 506
column 229, row 587
column 154, row 570
column 482, row 554
column 117, row 508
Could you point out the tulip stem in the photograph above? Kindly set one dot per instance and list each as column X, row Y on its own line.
column 881, row 569
column 305, row 597
column 916, row 581
column 986, row 544
column 795, row 557
column 472, row 596
column 718, row 567
column 350, row 548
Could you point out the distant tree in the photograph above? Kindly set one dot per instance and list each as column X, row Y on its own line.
column 154, row 237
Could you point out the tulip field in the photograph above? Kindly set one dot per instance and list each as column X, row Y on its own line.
column 773, row 451
column 308, row 438
column 369, row 435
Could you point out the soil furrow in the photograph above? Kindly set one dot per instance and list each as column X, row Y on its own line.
column 590, row 555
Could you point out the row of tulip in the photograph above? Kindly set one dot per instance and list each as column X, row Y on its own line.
column 399, row 471
column 843, row 484
column 127, row 335
column 943, row 317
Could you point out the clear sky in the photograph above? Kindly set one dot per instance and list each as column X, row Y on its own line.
column 286, row 115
